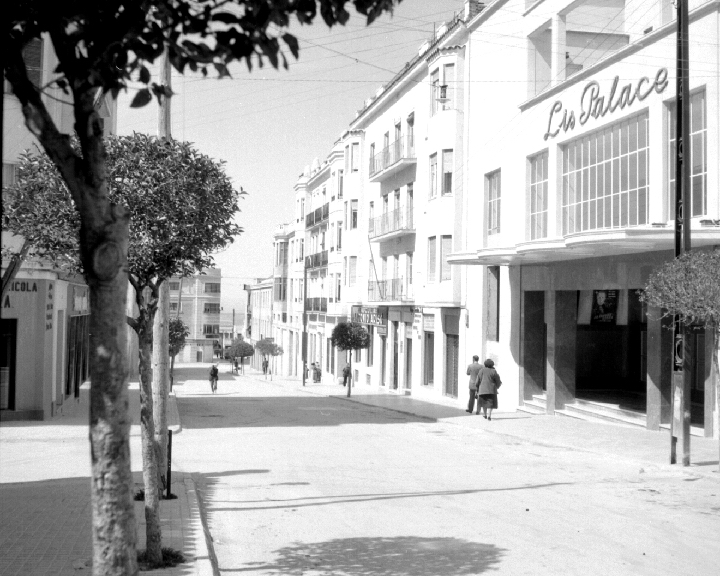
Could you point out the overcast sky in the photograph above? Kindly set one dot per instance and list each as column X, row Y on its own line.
column 267, row 125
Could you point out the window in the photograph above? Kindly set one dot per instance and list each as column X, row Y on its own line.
column 445, row 250
column 211, row 329
column 449, row 83
column 538, row 166
column 432, row 264
column 605, row 178
column 338, row 283
column 211, row 308
column 492, row 182
column 447, row 172
column 339, row 236
column 280, row 292
column 433, row 176
column 434, row 91
column 347, row 158
column 341, row 174
column 411, row 136
column 212, row 288
column 9, row 175
column 176, row 306
column 369, row 354
column 698, row 156
column 354, row 214
column 429, row 359
column 492, row 323
column 355, row 157
column 347, row 216
column 409, row 267
column 352, row 273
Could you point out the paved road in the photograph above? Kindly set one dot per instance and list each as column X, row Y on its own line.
column 296, row 483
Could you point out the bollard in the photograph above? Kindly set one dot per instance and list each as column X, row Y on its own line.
column 169, row 458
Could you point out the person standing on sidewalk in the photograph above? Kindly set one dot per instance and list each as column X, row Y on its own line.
column 346, row 374
column 213, row 378
column 487, row 392
column 473, row 370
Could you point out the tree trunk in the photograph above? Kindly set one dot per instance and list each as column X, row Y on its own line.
column 160, row 356
column 13, row 267
column 113, row 515
column 149, row 455
column 715, row 378
column 172, row 370
column 350, row 379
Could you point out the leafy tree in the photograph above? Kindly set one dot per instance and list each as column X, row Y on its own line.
column 689, row 287
column 349, row 336
column 182, row 206
column 240, row 349
column 101, row 47
column 177, row 334
column 267, row 347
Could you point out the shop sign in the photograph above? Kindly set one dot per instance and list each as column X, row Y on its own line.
column 593, row 105
column 19, row 286
column 604, row 307
column 80, row 300
column 369, row 315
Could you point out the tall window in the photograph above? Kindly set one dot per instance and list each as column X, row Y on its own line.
column 449, row 82
column 434, row 91
column 433, row 176
column 212, row 288
column 354, row 214
column 339, row 235
column 698, row 155
column 352, row 273
column 341, row 174
column 538, row 166
column 355, row 157
column 432, row 262
column 492, row 322
column 447, row 172
column 445, row 250
column 605, row 178
column 492, row 182
column 409, row 268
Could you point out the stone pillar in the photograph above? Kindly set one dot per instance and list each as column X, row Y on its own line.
column 561, row 315
column 532, row 373
column 558, row 49
column 659, row 368
column 711, row 381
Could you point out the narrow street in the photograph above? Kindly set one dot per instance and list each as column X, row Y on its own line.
column 297, row 483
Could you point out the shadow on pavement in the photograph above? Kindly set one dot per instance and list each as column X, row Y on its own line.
column 216, row 411
column 398, row 556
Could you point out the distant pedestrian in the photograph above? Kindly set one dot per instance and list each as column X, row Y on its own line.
column 265, row 365
column 346, row 374
column 316, row 372
column 473, row 370
column 488, row 389
column 213, row 378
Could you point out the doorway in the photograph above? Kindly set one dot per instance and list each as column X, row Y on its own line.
column 452, row 351
column 396, row 346
column 7, row 363
column 408, row 363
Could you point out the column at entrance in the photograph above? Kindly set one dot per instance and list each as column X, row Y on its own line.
column 533, row 344
column 659, row 368
column 561, row 337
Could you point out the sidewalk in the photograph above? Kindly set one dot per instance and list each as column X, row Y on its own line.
column 45, row 499
column 625, row 442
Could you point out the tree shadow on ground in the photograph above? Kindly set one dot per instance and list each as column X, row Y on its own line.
column 397, row 556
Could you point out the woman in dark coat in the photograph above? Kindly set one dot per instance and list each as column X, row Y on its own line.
column 487, row 391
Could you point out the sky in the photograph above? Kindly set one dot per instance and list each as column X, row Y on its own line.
column 267, row 125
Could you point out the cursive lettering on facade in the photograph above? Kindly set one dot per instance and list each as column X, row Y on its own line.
column 593, row 105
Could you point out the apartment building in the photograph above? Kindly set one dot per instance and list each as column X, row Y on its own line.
column 196, row 300
column 45, row 315
column 259, row 319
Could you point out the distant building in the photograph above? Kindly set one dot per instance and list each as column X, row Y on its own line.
column 196, row 300
column 259, row 314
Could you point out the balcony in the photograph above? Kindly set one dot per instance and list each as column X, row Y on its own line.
column 393, row 290
column 396, row 223
column 317, row 260
column 393, row 158
column 317, row 216
column 316, row 304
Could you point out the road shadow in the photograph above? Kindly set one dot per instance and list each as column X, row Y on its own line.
column 217, row 411
column 396, row 556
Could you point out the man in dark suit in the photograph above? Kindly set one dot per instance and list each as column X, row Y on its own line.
column 473, row 370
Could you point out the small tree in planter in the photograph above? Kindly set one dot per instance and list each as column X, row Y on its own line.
column 267, row 347
column 240, row 349
column 177, row 333
column 350, row 336
column 689, row 287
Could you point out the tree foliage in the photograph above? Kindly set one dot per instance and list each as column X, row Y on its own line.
column 688, row 286
column 181, row 204
column 350, row 336
column 240, row 349
column 178, row 332
column 267, row 347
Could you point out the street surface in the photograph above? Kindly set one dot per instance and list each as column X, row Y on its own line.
column 296, row 483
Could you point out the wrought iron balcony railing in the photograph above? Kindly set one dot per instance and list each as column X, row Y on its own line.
column 402, row 148
column 317, row 216
column 393, row 290
column 400, row 219
column 317, row 260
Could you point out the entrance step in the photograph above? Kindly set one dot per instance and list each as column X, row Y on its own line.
column 532, row 407
column 591, row 412
column 610, row 409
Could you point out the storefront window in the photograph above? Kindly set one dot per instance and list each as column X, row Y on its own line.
column 605, row 178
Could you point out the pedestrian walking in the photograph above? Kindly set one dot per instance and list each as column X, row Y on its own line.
column 213, row 378
column 488, row 389
column 346, row 374
column 265, row 365
column 316, row 373
column 473, row 370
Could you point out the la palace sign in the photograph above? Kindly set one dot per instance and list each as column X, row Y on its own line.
column 593, row 105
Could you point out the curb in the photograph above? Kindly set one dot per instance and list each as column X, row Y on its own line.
column 206, row 563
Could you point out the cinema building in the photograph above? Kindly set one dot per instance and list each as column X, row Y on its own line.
column 573, row 180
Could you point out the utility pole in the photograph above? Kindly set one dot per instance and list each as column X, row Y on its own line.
column 304, row 336
column 161, row 345
column 683, row 352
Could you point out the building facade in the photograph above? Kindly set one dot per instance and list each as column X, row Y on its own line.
column 259, row 314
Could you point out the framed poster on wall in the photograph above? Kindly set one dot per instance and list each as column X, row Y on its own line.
column 604, row 307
